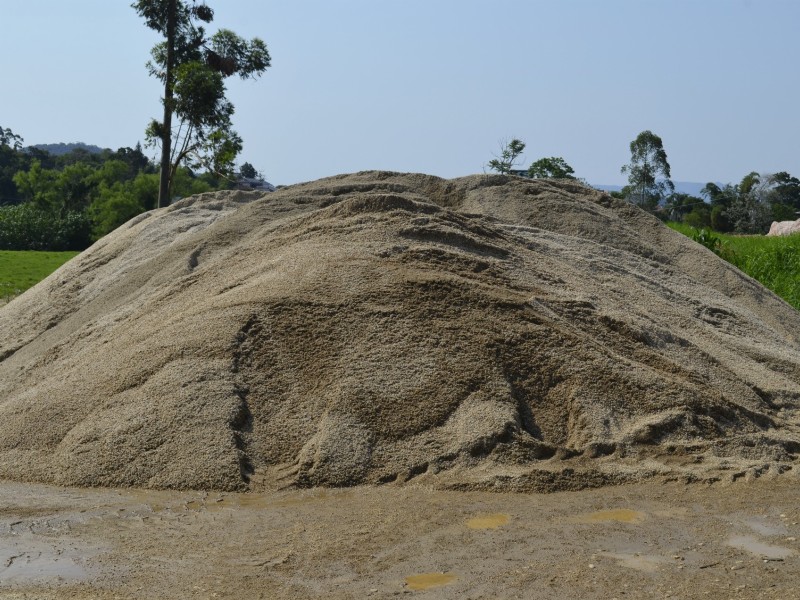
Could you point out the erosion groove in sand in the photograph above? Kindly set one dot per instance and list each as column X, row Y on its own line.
column 487, row 332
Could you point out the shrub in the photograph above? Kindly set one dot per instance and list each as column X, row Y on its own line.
column 708, row 239
column 698, row 218
column 26, row 227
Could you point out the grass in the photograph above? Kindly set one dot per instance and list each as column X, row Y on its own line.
column 20, row 270
column 774, row 261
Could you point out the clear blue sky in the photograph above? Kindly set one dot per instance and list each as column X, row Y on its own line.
column 433, row 85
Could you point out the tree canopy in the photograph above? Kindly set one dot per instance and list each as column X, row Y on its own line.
column 752, row 204
column 509, row 153
column 553, row 167
column 193, row 67
column 648, row 172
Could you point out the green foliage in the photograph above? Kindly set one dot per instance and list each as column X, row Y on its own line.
column 249, row 171
column 786, row 190
column 752, row 204
column 20, row 270
column 678, row 205
column 232, row 55
column 648, row 172
column 719, row 220
column 28, row 227
column 66, row 201
column 200, row 96
column 37, row 185
column 193, row 66
column 119, row 201
column 704, row 237
column 11, row 160
column 698, row 217
column 74, row 186
column 9, row 139
column 509, row 152
column 554, row 167
column 187, row 184
column 114, row 206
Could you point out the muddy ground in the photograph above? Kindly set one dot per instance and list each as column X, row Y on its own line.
column 649, row 540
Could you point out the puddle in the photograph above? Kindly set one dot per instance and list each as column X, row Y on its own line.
column 754, row 546
column 426, row 581
column 617, row 515
column 488, row 521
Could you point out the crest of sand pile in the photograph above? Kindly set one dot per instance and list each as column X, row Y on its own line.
column 480, row 332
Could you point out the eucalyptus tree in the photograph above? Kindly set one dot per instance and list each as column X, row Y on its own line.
column 11, row 161
column 648, row 172
column 193, row 66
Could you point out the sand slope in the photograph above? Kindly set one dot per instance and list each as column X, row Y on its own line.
column 372, row 328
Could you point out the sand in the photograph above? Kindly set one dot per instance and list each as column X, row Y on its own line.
column 487, row 332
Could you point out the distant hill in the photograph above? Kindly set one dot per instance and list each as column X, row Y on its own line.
column 684, row 187
column 62, row 148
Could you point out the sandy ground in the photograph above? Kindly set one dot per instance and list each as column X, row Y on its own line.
column 649, row 540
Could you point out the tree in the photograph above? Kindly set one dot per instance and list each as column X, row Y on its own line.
column 11, row 161
column 678, row 205
column 509, row 152
column 699, row 216
column 785, row 196
column 716, row 195
column 248, row 171
column 38, row 186
column 554, row 167
column 193, row 66
column 648, row 172
column 719, row 219
column 9, row 139
column 74, row 186
column 744, row 207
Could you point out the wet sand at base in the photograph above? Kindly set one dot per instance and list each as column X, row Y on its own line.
column 639, row 541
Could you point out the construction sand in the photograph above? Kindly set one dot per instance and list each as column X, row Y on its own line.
column 488, row 332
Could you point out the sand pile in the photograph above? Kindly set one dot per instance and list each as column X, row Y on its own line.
column 378, row 327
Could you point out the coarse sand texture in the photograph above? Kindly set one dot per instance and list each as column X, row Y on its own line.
column 487, row 332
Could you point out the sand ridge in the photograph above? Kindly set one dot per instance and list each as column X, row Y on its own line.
column 483, row 332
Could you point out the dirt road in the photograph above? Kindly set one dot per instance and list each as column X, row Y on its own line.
column 645, row 541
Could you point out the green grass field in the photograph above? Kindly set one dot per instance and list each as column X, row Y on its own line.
column 24, row 269
column 774, row 261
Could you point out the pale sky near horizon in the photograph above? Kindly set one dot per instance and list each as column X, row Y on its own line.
column 433, row 86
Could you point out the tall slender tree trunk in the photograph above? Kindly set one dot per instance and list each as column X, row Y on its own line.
column 165, row 183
